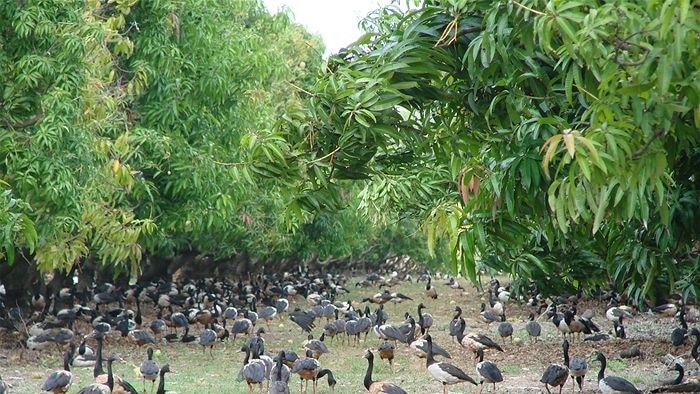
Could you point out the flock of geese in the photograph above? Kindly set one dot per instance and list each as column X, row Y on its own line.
column 79, row 323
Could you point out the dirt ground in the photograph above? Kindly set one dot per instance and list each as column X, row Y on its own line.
column 522, row 365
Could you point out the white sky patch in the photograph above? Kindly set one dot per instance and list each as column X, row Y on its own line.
column 335, row 20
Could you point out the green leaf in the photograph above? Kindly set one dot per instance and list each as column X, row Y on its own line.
column 600, row 210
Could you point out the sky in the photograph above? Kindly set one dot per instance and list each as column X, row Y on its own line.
column 335, row 20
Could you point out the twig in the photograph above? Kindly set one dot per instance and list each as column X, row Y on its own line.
column 29, row 122
column 529, row 9
column 324, row 157
column 301, row 89
column 462, row 32
column 221, row 163
column 640, row 151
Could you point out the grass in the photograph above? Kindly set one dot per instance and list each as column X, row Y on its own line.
column 199, row 373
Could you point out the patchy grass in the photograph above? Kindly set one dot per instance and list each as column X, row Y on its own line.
column 522, row 365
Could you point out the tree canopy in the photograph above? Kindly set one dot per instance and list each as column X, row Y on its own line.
column 547, row 139
column 139, row 127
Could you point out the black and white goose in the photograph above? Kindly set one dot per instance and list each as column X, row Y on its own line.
column 533, row 328
column 557, row 374
column 317, row 347
column 161, row 383
column 378, row 387
column 388, row 332
column 279, row 376
column 253, row 372
column 488, row 371
column 149, row 370
column 307, row 368
column 675, row 386
column 443, row 372
column 425, row 320
column 474, row 341
column 454, row 323
column 488, row 316
column 505, row 330
column 386, row 352
column 430, row 290
column 694, row 352
column 680, row 334
column 666, row 310
column 613, row 384
column 59, row 382
column 578, row 367
column 419, row 346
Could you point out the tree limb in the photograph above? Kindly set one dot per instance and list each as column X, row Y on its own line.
column 460, row 33
column 29, row 122
column 640, row 151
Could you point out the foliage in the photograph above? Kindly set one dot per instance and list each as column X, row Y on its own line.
column 537, row 137
column 132, row 127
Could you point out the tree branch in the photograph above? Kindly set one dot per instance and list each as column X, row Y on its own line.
column 640, row 151
column 460, row 33
column 29, row 122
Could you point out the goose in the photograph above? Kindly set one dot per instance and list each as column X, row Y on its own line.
column 241, row 326
column 95, row 388
column 149, row 369
column 680, row 334
column 207, row 338
column 559, row 321
column 616, row 312
column 304, row 319
column 317, row 347
column 268, row 314
column 398, row 298
column 279, row 376
column 119, row 385
column 253, row 372
column 666, row 310
column 694, row 351
column 533, row 328
column 454, row 323
column 474, row 341
column 613, row 384
column 425, row 320
column 378, row 387
column 141, row 337
column 430, row 290
column 59, row 382
column 307, row 368
column 556, row 374
column 505, row 330
column 678, row 379
column 388, row 332
column 386, row 352
column 496, row 305
column 419, row 347
column 454, row 284
column 161, row 383
column 675, row 386
column 331, row 379
column 577, row 367
column 100, row 388
column 488, row 371
column 443, row 372
column 488, row 316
